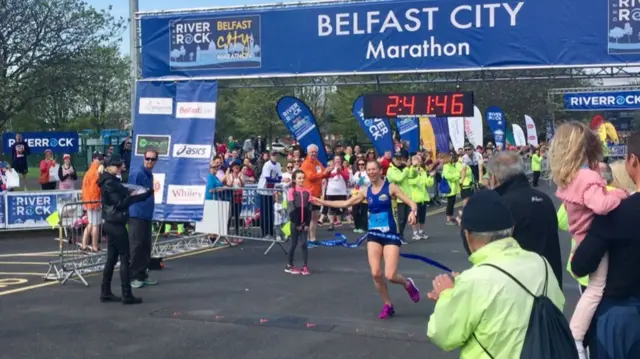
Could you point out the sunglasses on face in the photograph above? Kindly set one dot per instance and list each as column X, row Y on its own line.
column 360, row 164
column 289, row 167
column 150, row 159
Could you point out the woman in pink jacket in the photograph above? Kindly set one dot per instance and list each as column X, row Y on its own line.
column 573, row 159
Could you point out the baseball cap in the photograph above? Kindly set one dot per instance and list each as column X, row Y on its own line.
column 114, row 160
column 486, row 212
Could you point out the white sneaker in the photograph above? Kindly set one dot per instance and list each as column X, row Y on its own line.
column 582, row 353
column 416, row 237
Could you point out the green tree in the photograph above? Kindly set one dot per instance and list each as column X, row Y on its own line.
column 38, row 38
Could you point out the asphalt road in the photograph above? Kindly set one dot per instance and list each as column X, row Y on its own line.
column 230, row 303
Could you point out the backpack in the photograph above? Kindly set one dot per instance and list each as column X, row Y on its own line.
column 548, row 334
column 443, row 187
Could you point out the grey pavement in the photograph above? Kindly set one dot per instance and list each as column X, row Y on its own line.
column 237, row 304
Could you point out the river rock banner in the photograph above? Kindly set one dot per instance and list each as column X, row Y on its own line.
column 301, row 123
column 378, row 130
column 409, row 130
column 497, row 124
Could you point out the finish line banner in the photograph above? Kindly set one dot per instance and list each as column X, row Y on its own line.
column 177, row 119
column 390, row 37
column 600, row 101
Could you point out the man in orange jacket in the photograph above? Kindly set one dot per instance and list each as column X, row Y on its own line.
column 91, row 193
column 314, row 174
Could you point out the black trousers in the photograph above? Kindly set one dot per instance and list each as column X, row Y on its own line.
column 48, row 186
column 266, row 215
column 234, row 219
column 117, row 247
column 140, row 237
column 536, row 178
column 360, row 216
column 451, row 202
column 422, row 212
column 403, row 217
column 298, row 236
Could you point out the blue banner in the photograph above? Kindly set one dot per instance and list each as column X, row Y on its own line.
column 178, row 120
column 378, row 130
column 299, row 120
column 409, row 130
column 497, row 124
column 550, row 129
column 441, row 131
column 599, row 101
column 3, row 223
column 30, row 210
column 38, row 142
column 388, row 36
column 617, row 151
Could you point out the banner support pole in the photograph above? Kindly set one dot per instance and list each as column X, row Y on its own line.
column 133, row 53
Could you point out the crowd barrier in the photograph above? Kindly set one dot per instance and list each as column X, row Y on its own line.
column 247, row 213
column 30, row 210
column 73, row 263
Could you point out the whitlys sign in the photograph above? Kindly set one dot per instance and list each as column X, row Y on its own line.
column 185, row 195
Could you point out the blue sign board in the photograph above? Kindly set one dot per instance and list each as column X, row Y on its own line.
column 600, row 101
column 389, row 36
column 178, row 121
column 58, row 142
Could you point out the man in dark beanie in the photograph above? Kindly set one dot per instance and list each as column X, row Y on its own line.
column 483, row 310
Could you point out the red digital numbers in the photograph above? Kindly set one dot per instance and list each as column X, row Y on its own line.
column 457, row 104
column 442, row 102
column 409, row 103
column 393, row 102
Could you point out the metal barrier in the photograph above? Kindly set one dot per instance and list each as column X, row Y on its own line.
column 250, row 214
column 73, row 263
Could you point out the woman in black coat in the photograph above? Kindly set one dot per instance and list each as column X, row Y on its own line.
column 116, row 200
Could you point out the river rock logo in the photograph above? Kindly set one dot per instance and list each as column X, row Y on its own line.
column 159, row 143
column 624, row 27
column 218, row 43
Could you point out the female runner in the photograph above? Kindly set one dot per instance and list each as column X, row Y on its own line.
column 384, row 241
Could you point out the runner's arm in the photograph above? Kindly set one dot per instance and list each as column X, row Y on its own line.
column 397, row 192
column 358, row 198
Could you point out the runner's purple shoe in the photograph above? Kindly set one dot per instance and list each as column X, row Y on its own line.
column 387, row 312
column 413, row 291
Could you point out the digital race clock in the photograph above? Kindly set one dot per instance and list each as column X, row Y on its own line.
column 440, row 104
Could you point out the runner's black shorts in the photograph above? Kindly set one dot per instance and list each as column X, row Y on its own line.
column 383, row 241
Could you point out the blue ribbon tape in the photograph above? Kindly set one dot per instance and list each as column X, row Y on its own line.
column 339, row 241
column 429, row 261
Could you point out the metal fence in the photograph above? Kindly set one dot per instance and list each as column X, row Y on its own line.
column 74, row 263
column 238, row 214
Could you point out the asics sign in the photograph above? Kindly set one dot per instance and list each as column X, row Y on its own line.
column 38, row 142
column 192, row 151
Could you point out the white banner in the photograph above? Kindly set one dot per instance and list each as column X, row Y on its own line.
column 473, row 128
column 456, row 132
column 518, row 135
column 532, row 134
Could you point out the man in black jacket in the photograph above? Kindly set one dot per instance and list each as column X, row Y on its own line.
column 534, row 215
column 116, row 200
